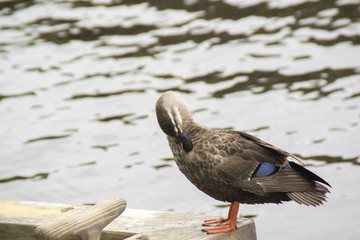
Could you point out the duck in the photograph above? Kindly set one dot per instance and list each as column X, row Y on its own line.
column 234, row 166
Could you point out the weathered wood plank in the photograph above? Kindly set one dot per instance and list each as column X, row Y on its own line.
column 86, row 225
column 18, row 220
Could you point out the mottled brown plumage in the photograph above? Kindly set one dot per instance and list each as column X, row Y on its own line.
column 225, row 164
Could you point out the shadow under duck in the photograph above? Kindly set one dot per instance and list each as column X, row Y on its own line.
column 234, row 166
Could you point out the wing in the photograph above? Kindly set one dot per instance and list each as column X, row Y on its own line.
column 246, row 156
column 261, row 168
column 269, row 152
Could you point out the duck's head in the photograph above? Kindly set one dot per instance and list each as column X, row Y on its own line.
column 172, row 114
column 171, row 110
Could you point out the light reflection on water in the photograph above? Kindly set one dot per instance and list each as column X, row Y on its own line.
column 79, row 80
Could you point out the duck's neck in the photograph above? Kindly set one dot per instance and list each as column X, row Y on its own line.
column 191, row 127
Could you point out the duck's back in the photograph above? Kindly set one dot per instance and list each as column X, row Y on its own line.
column 235, row 166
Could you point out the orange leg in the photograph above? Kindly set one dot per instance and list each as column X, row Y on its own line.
column 225, row 225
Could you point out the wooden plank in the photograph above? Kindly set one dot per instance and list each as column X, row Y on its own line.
column 87, row 225
column 18, row 220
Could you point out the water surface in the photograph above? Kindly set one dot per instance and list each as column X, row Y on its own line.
column 79, row 81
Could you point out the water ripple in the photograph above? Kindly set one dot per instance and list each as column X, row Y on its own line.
column 91, row 71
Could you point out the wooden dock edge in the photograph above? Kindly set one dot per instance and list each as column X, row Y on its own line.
column 18, row 220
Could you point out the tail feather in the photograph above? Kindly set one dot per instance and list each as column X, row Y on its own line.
column 308, row 173
column 311, row 198
column 315, row 197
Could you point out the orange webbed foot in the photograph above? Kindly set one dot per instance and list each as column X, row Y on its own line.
column 225, row 225
column 220, row 229
column 216, row 222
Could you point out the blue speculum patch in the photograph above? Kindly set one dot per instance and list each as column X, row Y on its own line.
column 265, row 169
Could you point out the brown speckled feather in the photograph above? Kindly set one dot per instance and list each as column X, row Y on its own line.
column 223, row 163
